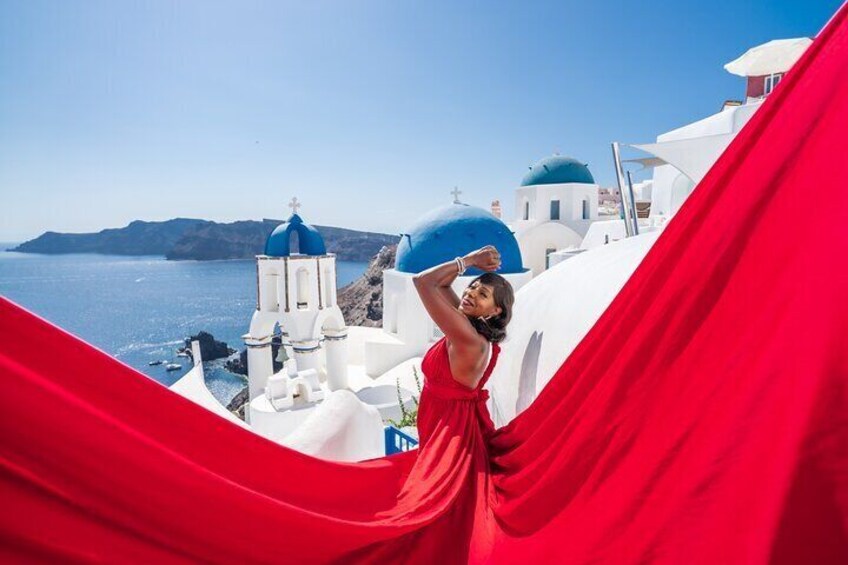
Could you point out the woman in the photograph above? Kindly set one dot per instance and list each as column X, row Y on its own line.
column 458, row 365
column 448, row 485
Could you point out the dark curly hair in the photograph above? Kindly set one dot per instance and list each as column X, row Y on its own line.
column 494, row 329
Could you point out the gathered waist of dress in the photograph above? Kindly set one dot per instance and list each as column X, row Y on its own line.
column 455, row 392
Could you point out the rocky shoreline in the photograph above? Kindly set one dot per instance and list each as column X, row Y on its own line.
column 210, row 348
column 237, row 404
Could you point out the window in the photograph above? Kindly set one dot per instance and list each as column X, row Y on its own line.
column 269, row 292
column 555, row 209
column 771, row 82
column 328, row 287
column 526, row 210
column 294, row 242
column 302, row 292
column 585, row 209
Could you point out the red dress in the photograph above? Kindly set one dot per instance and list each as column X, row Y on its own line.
column 453, row 428
column 447, row 406
column 449, row 485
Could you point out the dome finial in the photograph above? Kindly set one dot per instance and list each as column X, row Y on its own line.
column 456, row 192
column 294, row 204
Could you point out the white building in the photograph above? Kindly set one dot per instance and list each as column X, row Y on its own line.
column 555, row 205
column 688, row 152
column 681, row 157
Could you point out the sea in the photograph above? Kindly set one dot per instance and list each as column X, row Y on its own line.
column 140, row 309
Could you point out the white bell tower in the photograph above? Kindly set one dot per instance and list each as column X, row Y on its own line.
column 296, row 289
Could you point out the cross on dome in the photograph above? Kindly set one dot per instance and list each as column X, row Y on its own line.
column 456, row 192
column 294, row 205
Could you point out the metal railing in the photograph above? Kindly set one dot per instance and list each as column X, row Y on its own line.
column 626, row 191
column 398, row 441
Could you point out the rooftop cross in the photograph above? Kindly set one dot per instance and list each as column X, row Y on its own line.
column 294, row 205
column 456, row 192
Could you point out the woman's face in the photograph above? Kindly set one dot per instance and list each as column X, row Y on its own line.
column 478, row 300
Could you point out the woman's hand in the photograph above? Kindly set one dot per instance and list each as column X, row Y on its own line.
column 486, row 259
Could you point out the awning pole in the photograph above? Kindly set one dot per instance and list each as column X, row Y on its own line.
column 633, row 203
column 622, row 190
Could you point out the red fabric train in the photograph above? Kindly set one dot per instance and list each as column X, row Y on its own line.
column 717, row 434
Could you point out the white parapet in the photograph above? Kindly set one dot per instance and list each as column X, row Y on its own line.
column 341, row 428
column 193, row 387
column 278, row 386
column 195, row 355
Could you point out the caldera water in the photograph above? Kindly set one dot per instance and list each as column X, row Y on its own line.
column 140, row 309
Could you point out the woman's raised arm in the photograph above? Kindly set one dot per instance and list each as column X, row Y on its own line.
column 441, row 302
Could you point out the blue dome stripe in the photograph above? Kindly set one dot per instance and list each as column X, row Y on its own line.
column 558, row 170
column 309, row 240
column 455, row 230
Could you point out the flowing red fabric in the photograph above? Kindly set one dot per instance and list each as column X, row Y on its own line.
column 703, row 419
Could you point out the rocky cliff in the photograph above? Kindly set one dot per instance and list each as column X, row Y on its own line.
column 362, row 300
column 138, row 238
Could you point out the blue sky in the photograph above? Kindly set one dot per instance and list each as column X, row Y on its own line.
column 370, row 112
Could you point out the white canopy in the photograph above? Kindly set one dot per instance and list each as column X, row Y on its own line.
column 776, row 56
column 646, row 162
column 694, row 156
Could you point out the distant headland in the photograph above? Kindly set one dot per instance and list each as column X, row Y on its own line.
column 200, row 240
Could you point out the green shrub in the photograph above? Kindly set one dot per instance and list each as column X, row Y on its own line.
column 408, row 418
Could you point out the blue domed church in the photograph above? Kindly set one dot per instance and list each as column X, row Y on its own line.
column 438, row 236
column 555, row 204
column 454, row 230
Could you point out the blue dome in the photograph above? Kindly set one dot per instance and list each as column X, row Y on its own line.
column 558, row 170
column 452, row 231
column 309, row 241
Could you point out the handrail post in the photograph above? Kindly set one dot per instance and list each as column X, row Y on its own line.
column 622, row 190
column 633, row 203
